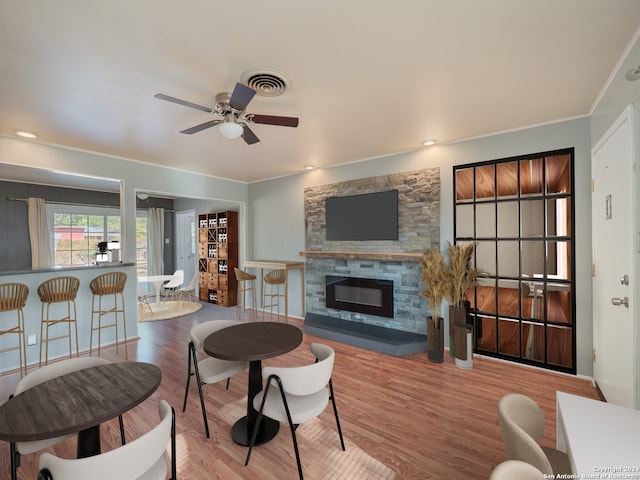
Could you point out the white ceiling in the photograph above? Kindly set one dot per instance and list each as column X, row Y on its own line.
column 369, row 78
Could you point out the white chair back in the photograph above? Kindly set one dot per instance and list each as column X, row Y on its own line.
column 307, row 379
column 201, row 331
column 143, row 456
column 192, row 283
column 176, row 280
column 522, row 424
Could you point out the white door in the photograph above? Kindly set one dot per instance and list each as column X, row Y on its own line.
column 186, row 255
column 612, row 161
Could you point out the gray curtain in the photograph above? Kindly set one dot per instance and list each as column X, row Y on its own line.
column 39, row 233
column 155, row 234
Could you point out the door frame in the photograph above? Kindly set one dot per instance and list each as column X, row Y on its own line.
column 181, row 243
column 628, row 116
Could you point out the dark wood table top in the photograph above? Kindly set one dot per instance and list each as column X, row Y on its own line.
column 253, row 341
column 77, row 401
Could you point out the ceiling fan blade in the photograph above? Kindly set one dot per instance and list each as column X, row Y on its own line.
column 202, row 126
column 241, row 97
column 274, row 120
column 249, row 136
column 161, row 96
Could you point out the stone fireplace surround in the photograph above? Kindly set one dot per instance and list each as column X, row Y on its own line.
column 418, row 229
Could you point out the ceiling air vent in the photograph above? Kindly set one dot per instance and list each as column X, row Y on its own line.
column 267, row 82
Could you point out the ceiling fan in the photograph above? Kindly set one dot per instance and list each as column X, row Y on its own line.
column 231, row 107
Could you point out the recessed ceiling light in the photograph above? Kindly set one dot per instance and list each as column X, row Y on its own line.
column 633, row 74
column 309, row 167
column 426, row 143
column 25, row 134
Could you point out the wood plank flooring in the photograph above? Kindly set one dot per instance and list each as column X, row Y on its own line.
column 402, row 418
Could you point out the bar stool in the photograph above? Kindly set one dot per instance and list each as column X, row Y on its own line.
column 246, row 282
column 272, row 281
column 111, row 283
column 58, row 290
column 13, row 297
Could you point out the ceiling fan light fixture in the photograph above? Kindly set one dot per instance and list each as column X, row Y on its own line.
column 231, row 130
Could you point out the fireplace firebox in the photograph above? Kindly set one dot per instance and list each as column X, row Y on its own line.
column 362, row 295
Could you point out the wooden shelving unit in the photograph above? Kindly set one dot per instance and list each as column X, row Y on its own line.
column 217, row 257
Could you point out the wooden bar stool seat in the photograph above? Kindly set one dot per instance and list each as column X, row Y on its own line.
column 107, row 285
column 13, row 297
column 58, row 290
column 272, row 281
column 246, row 283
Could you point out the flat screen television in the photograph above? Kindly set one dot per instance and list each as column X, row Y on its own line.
column 369, row 216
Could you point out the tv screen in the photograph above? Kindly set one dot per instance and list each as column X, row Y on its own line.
column 370, row 216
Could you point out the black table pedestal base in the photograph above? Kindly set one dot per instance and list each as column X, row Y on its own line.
column 88, row 442
column 241, row 434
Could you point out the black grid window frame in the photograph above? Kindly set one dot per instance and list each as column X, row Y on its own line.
column 547, row 240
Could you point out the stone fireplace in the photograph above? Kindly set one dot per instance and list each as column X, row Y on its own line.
column 390, row 262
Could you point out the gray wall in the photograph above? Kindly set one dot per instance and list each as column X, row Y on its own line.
column 15, row 250
column 277, row 206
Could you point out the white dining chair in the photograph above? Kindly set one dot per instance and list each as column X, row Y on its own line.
column 295, row 395
column 208, row 370
column 41, row 375
column 142, row 459
column 170, row 288
column 188, row 292
column 522, row 425
column 143, row 300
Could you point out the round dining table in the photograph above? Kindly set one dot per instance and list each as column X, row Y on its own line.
column 253, row 342
column 78, row 402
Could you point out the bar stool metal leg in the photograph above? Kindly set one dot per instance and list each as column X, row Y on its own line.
column 272, row 281
column 246, row 282
column 58, row 290
column 107, row 286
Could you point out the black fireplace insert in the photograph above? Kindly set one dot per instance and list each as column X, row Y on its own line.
column 363, row 295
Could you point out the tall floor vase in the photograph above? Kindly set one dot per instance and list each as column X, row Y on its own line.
column 457, row 314
column 435, row 340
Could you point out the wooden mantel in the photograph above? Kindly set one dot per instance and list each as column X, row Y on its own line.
column 381, row 256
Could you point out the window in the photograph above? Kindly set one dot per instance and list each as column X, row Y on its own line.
column 519, row 213
column 78, row 229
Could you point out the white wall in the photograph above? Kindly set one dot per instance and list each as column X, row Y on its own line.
column 277, row 206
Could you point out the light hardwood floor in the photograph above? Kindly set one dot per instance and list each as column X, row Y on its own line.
column 402, row 417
